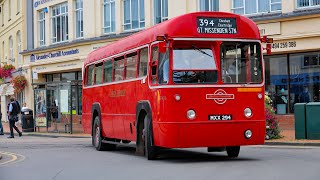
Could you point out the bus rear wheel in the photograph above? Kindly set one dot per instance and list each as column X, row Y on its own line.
column 233, row 151
column 150, row 150
column 97, row 137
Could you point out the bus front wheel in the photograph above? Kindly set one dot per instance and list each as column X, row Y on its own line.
column 97, row 137
column 150, row 150
column 233, row 151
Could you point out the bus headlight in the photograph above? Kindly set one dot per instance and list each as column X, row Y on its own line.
column 260, row 96
column 248, row 134
column 191, row 114
column 177, row 97
column 247, row 112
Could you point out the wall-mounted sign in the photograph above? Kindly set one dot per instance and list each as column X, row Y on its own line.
column 206, row 25
column 34, row 57
column 270, row 29
column 38, row 2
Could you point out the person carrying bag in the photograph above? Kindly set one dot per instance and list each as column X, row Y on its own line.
column 14, row 111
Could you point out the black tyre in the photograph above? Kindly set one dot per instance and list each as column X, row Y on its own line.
column 97, row 137
column 233, row 151
column 150, row 150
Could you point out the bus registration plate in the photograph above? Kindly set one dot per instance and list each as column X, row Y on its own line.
column 222, row 117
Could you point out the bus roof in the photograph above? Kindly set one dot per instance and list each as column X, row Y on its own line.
column 184, row 26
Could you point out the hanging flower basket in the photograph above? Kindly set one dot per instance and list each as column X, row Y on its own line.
column 6, row 71
column 19, row 83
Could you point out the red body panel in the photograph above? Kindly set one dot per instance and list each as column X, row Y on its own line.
column 171, row 127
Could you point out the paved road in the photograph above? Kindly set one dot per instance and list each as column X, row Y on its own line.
column 42, row 158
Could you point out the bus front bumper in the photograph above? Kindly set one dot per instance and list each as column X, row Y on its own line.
column 208, row 134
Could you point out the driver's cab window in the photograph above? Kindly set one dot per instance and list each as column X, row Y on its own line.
column 241, row 62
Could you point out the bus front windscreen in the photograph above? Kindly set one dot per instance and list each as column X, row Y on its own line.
column 241, row 62
column 194, row 66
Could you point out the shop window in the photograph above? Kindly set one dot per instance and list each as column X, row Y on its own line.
column 277, row 82
column 143, row 63
column 131, row 66
column 68, row 76
column 108, row 71
column 56, row 77
column 119, row 69
column 304, row 80
column 79, row 75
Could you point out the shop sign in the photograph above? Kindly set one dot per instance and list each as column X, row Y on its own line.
column 39, row 2
column 55, row 54
column 296, row 79
column 41, row 121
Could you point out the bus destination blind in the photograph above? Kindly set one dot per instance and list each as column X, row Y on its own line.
column 206, row 25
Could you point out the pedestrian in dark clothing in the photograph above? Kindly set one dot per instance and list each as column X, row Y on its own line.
column 1, row 127
column 14, row 110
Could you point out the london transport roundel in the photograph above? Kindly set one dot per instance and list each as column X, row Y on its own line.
column 220, row 96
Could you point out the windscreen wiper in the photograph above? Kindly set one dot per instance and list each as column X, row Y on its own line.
column 201, row 51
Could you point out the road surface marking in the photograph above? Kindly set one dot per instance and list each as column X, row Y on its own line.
column 15, row 158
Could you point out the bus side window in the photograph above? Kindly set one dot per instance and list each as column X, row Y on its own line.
column 90, row 75
column 98, row 73
column 119, row 68
column 143, row 63
column 108, row 71
column 131, row 66
column 154, row 65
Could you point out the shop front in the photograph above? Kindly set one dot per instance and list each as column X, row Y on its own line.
column 58, row 106
column 293, row 76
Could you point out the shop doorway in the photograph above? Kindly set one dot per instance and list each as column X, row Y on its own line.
column 58, row 107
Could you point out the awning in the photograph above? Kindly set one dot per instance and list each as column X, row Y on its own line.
column 3, row 88
column 10, row 90
column 6, row 90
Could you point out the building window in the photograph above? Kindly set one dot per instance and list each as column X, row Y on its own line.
column 3, row 52
column 133, row 14
column 19, row 47
column 109, row 22
column 60, row 23
column 42, row 28
column 256, row 6
column 18, row 6
column 10, row 7
column 2, row 15
column 10, row 50
column 11, row 59
column 307, row 3
column 79, row 18
column 160, row 11
column 209, row 5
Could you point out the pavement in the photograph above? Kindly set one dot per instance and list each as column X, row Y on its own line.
column 288, row 138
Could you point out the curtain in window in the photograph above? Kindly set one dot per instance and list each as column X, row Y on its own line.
column 263, row 5
column 135, row 14
column 250, row 6
column 214, row 5
column 204, row 5
column 127, row 12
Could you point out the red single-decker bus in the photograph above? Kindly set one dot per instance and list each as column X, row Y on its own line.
column 196, row 80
